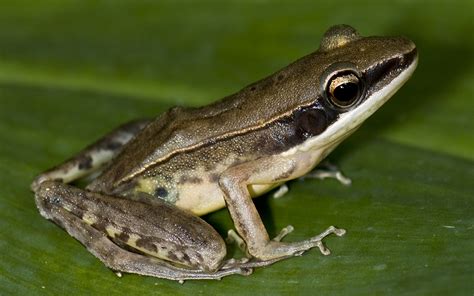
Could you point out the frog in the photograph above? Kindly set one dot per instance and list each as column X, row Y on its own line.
column 150, row 180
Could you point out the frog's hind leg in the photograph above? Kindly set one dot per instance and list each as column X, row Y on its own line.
column 132, row 235
column 93, row 157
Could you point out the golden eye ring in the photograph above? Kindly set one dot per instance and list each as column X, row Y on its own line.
column 344, row 89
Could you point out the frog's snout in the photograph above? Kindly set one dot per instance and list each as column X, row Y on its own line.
column 408, row 50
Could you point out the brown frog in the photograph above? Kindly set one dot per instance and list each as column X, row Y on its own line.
column 140, row 214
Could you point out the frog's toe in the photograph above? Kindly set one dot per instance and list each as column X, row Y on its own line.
column 36, row 184
column 327, row 170
column 281, row 191
column 233, row 237
column 284, row 232
column 318, row 239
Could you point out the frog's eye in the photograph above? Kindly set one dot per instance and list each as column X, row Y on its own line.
column 344, row 89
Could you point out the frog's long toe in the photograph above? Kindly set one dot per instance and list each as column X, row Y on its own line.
column 318, row 240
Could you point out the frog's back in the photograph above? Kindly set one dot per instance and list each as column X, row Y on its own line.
column 183, row 130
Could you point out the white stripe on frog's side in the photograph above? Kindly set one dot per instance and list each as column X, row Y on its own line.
column 348, row 122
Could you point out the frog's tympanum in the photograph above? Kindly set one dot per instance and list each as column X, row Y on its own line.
column 152, row 179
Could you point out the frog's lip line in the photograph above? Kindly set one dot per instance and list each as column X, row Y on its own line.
column 351, row 120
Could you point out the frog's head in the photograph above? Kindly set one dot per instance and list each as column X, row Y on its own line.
column 356, row 75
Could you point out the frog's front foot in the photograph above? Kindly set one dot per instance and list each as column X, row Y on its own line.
column 281, row 191
column 318, row 239
column 275, row 249
column 328, row 170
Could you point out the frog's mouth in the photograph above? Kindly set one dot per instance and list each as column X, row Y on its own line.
column 390, row 74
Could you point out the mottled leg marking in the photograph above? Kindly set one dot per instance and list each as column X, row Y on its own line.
column 235, row 181
column 73, row 209
column 328, row 170
column 93, row 157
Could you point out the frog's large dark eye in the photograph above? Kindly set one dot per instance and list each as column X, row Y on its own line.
column 344, row 89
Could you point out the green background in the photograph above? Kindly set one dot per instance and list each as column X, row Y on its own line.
column 72, row 70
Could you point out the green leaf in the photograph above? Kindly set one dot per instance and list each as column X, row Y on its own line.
column 72, row 70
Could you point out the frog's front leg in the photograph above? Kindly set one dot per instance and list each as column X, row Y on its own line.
column 144, row 236
column 235, row 182
column 93, row 157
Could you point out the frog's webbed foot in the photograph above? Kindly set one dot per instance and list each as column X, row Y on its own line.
column 328, row 170
column 92, row 158
column 118, row 232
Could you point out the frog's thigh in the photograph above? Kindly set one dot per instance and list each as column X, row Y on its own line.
column 235, row 182
column 103, row 224
column 94, row 156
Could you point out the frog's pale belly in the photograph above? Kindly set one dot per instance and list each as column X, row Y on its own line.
column 208, row 197
column 200, row 197
column 200, row 193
